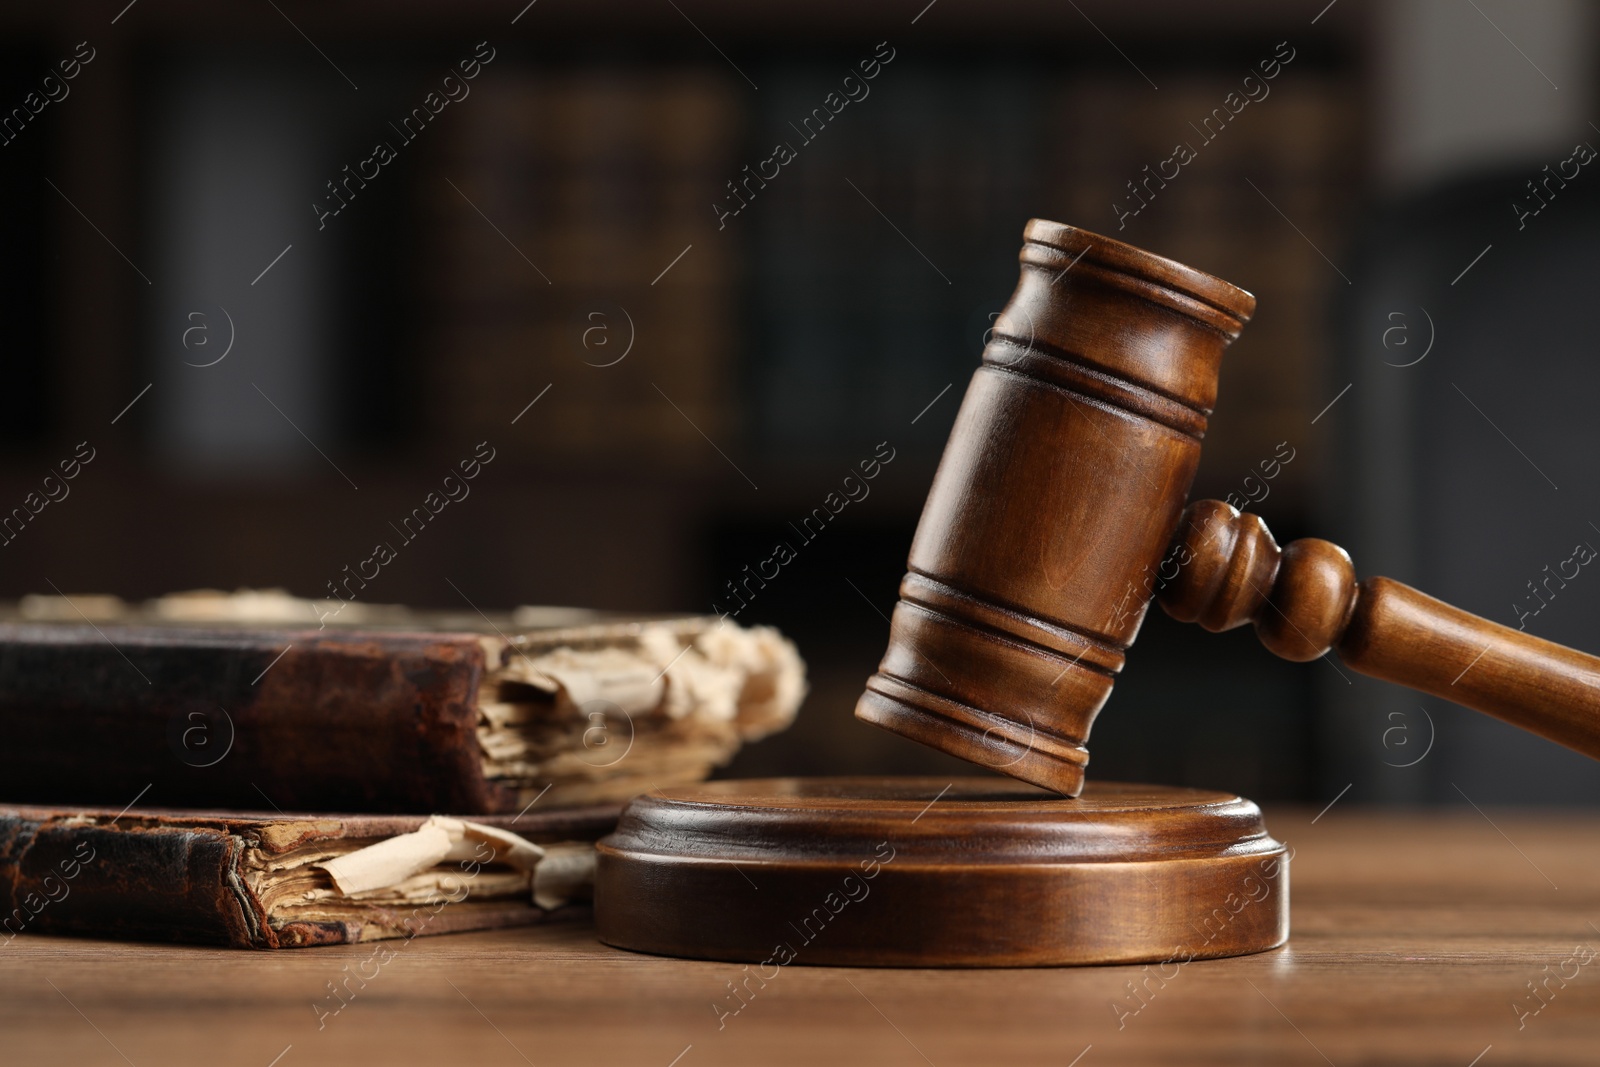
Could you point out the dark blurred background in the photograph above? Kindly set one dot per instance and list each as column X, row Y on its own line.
column 267, row 383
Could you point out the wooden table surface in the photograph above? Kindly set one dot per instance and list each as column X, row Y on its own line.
column 1415, row 939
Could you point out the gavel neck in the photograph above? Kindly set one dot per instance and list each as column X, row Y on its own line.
column 1304, row 600
column 1230, row 571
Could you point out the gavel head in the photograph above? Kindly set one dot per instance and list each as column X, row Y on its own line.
column 1046, row 530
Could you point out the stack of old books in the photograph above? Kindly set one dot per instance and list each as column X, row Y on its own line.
column 262, row 771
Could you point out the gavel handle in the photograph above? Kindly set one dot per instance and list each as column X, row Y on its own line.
column 1225, row 570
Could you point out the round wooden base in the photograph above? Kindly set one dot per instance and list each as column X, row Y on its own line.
column 926, row 872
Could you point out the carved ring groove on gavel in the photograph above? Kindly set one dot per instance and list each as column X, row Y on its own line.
column 1057, row 512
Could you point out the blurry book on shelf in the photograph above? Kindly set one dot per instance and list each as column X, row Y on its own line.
column 259, row 698
column 1255, row 188
column 561, row 210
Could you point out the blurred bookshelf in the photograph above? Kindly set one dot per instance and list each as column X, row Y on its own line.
column 846, row 306
column 601, row 173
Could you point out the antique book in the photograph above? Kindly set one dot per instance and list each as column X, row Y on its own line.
column 252, row 880
column 261, row 700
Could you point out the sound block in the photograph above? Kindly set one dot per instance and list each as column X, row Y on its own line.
column 928, row 872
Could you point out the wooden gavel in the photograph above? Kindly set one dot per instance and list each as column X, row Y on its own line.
column 1057, row 513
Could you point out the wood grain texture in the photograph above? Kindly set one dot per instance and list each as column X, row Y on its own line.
column 1305, row 601
column 1414, row 937
column 976, row 872
column 1055, row 501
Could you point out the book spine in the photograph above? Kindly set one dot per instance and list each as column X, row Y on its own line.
column 159, row 884
column 309, row 720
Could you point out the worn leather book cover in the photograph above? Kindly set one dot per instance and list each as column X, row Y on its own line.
column 250, row 880
column 261, row 700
